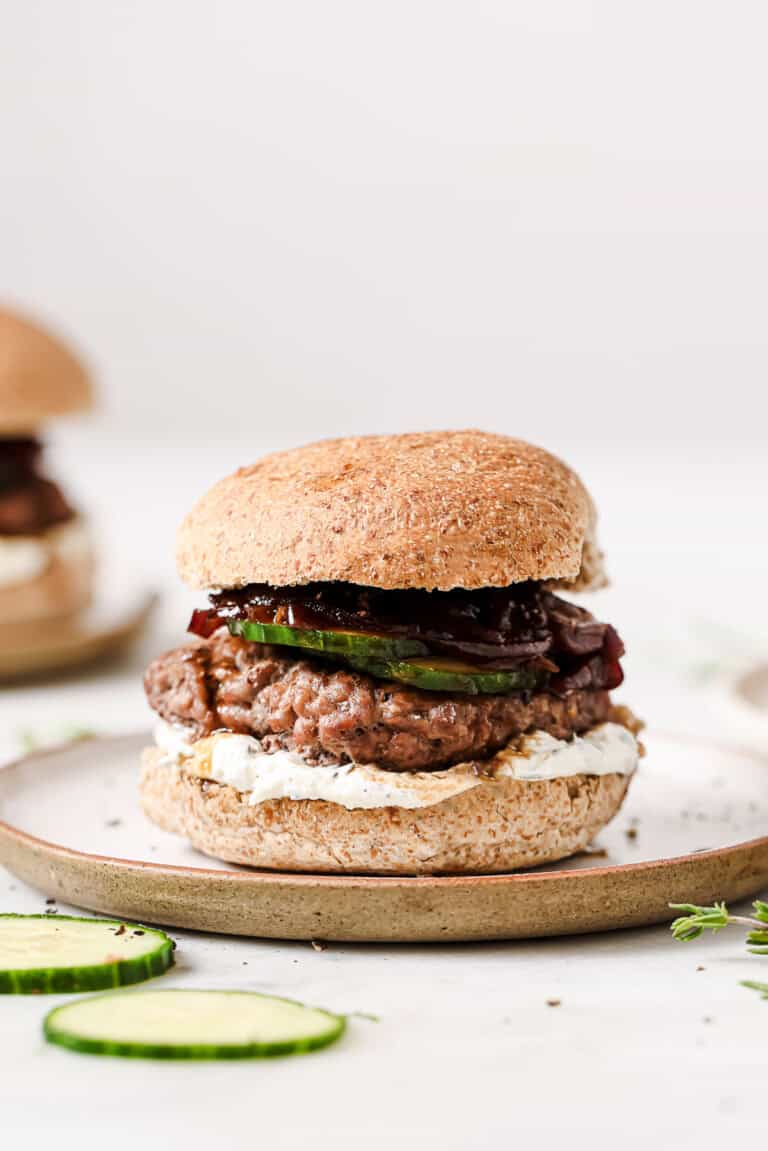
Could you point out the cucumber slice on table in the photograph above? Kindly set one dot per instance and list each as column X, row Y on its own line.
column 344, row 643
column 190, row 1025
column 434, row 674
column 58, row 953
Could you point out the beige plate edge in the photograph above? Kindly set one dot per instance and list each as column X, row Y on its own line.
column 77, row 644
column 281, row 905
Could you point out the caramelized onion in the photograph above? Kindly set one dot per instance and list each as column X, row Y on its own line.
column 494, row 628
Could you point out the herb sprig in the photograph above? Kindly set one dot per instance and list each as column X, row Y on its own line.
column 761, row 987
column 697, row 920
column 30, row 740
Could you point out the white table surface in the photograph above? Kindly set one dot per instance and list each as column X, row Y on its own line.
column 466, row 1052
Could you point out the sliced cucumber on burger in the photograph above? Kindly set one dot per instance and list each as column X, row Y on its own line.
column 190, row 1025
column 59, row 953
column 389, row 657
column 365, row 645
column 435, row 674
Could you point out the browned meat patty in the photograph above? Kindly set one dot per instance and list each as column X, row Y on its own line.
column 330, row 714
column 34, row 508
column 29, row 503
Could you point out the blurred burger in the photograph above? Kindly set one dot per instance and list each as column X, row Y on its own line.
column 45, row 555
column 386, row 679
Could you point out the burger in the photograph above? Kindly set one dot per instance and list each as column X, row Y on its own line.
column 386, row 678
column 45, row 553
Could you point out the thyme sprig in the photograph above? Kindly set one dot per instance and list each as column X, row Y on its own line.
column 761, row 987
column 697, row 920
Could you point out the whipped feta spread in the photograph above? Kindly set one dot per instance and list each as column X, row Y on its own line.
column 241, row 762
column 24, row 558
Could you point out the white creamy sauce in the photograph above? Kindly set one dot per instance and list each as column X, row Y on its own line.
column 23, row 558
column 606, row 749
column 240, row 762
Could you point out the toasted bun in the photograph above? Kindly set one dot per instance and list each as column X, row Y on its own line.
column 496, row 826
column 61, row 587
column 434, row 510
column 39, row 376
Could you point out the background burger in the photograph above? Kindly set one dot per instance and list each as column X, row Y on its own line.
column 45, row 554
column 385, row 680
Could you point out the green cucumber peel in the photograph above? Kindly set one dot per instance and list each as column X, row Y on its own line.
column 433, row 677
column 191, row 1025
column 339, row 643
column 93, row 954
column 404, row 660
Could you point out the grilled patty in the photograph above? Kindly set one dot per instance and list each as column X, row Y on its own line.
column 331, row 714
column 29, row 503
column 33, row 508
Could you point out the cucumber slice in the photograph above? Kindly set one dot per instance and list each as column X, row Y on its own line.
column 59, row 953
column 190, row 1025
column 345, row 643
column 435, row 674
column 386, row 657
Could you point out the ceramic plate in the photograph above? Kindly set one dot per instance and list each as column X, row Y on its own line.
column 103, row 629
column 694, row 829
column 744, row 704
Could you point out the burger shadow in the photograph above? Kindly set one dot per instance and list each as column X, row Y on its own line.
column 615, row 943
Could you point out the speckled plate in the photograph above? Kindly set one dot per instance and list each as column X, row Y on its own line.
column 694, row 829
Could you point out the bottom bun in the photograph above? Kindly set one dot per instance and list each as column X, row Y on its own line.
column 500, row 825
column 60, row 588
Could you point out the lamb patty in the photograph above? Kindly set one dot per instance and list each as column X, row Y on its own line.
column 332, row 714
column 29, row 503
column 32, row 509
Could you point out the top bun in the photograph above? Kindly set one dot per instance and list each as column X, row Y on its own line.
column 432, row 510
column 39, row 376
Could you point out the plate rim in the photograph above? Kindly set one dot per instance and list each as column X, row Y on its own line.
column 83, row 643
column 329, row 880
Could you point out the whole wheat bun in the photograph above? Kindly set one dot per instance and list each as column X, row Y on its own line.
column 499, row 825
column 40, row 376
column 433, row 510
column 62, row 588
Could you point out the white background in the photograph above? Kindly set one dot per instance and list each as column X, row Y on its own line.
column 265, row 223
column 546, row 218
column 269, row 222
